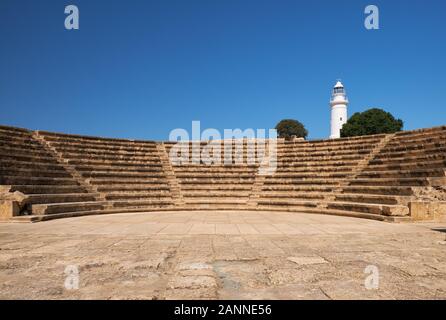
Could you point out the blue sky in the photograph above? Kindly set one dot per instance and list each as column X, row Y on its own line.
column 139, row 69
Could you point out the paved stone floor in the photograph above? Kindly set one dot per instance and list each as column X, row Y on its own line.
column 222, row 255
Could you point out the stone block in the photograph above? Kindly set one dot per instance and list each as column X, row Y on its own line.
column 9, row 209
column 426, row 210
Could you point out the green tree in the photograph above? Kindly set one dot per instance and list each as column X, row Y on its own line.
column 372, row 121
column 289, row 127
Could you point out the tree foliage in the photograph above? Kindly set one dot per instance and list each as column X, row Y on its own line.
column 372, row 121
column 288, row 128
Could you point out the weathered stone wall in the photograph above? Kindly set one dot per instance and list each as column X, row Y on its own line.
column 427, row 210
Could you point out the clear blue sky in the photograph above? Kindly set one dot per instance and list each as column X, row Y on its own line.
column 139, row 69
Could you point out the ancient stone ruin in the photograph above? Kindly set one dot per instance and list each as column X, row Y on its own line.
column 394, row 177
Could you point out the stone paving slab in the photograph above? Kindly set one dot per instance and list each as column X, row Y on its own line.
column 221, row 255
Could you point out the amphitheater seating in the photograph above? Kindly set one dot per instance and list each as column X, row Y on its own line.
column 310, row 171
column 223, row 185
column 409, row 160
column 374, row 176
column 27, row 167
column 128, row 175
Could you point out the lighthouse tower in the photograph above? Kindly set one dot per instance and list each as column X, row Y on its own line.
column 338, row 103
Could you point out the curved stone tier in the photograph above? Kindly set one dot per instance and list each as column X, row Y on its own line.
column 394, row 177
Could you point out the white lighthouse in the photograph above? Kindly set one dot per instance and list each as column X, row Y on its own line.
column 338, row 103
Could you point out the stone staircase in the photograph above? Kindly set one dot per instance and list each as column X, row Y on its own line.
column 393, row 177
column 222, row 185
column 28, row 167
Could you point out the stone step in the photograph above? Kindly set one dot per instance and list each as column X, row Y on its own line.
column 438, row 142
column 429, row 142
column 408, row 149
column 4, row 134
column 296, row 188
column 188, row 188
column 50, row 208
column 215, row 193
column 142, row 203
column 363, row 215
column 89, row 163
column 356, row 139
column 9, row 163
column 23, row 150
column 380, row 209
column 62, row 137
column 433, row 151
column 390, row 182
column 117, row 168
column 112, row 149
column 389, row 157
column 308, row 181
column 420, row 138
column 419, row 159
column 27, row 158
column 215, row 201
column 214, row 163
column 208, row 175
column 211, row 148
column 148, row 158
column 24, row 172
column 20, row 147
column 95, row 141
column 359, row 149
column 372, row 198
column 409, row 164
column 439, row 172
column 14, row 180
column 297, row 169
column 148, row 187
column 312, row 144
column 123, row 175
column 309, row 160
column 213, row 206
column 316, row 154
column 125, row 181
column 215, row 170
column 48, row 189
column 73, row 153
column 291, row 195
column 345, row 213
column 381, row 190
column 235, row 146
column 211, row 181
column 138, row 195
column 60, row 198
column 290, row 203
column 331, row 143
column 46, row 217
column 36, row 218
column 12, row 141
column 14, row 130
column 418, row 132
column 297, row 175
column 86, row 148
